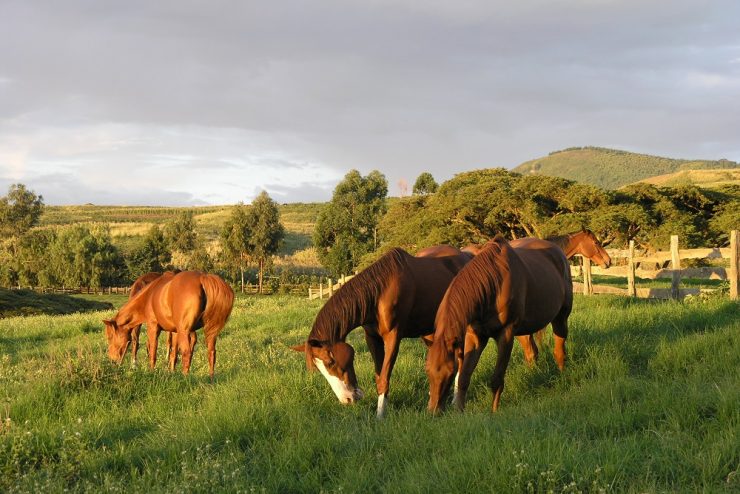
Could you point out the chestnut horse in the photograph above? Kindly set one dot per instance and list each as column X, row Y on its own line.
column 177, row 303
column 395, row 297
column 502, row 293
column 138, row 286
column 584, row 243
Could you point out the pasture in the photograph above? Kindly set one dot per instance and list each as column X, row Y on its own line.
column 649, row 402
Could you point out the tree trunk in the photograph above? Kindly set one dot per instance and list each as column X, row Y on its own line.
column 242, row 270
column 262, row 264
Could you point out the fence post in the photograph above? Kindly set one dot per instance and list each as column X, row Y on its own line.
column 309, row 293
column 734, row 261
column 631, row 289
column 331, row 287
column 676, row 267
column 588, row 288
column 321, row 289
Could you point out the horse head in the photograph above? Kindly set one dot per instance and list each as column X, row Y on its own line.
column 440, row 369
column 118, row 340
column 335, row 361
column 592, row 248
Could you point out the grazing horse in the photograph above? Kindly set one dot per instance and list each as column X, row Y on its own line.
column 177, row 303
column 584, row 243
column 502, row 293
column 138, row 286
column 395, row 297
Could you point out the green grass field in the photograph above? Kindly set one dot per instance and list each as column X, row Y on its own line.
column 649, row 402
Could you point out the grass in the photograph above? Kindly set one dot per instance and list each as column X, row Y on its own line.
column 648, row 403
column 28, row 302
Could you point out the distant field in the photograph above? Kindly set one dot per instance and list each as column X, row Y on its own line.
column 701, row 178
column 648, row 403
column 128, row 223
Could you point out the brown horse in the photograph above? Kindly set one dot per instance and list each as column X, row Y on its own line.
column 584, row 243
column 177, row 303
column 502, row 293
column 396, row 297
column 138, row 286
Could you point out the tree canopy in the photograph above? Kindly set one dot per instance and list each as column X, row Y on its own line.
column 346, row 229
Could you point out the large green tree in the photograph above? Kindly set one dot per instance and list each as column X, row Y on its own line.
column 346, row 229
column 182, row 238
column 265, row 232
column 425, row 184
column 235, row 236
column 19, row 210
column 151, row 254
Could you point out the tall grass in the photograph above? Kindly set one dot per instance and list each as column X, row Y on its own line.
column 648, row 403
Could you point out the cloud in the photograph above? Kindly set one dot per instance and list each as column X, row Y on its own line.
column 299, row 92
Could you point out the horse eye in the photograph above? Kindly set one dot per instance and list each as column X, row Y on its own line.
column 330, row 363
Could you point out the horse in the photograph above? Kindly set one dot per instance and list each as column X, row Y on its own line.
column 395, row 297
column 138, row 286
column 177, row 303
column 502, row 293
column 583, row 242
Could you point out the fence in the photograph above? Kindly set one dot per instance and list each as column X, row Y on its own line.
column 674, row 256
column 631, row 271
column 329, row 288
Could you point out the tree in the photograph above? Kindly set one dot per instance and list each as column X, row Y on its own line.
column 152, row 254
column 425, row 184
column 265, row 232
column 182, row 237
column 235, row 239
column 19, row 210
column 346, row 228
column 83, row 256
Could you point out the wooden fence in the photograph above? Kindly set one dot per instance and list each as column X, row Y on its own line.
column 328, row 288
column 631, row 271
column 674, row 272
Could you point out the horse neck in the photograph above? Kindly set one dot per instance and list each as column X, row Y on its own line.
column 570, row 244
column 340, row 316
column 131, row 313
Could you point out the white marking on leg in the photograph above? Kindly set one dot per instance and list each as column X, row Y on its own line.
column 344, row 393
column 457, row 387
column 382, row 402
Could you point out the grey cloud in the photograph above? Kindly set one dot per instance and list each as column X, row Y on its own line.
column 401, row 86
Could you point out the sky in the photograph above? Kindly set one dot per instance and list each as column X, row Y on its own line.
column 185, row 102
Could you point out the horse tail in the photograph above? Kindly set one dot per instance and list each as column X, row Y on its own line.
column 219, row 302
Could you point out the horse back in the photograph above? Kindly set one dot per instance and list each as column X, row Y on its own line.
column 543, row 276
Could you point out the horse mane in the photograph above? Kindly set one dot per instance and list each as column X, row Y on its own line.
column 473, row 289
column 351, row 304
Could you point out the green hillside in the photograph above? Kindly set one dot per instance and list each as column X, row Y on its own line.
column 611, row 168
column 709, row 179
column 129, row 223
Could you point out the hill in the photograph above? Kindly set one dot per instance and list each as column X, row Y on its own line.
column 710, row 179
column 611, row 168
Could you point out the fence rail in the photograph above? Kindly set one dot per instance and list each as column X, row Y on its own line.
column 631, row 271
column 674, row 272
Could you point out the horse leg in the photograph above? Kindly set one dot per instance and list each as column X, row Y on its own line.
column 186, row 341
column 170, row 344
column 474, row 346
column 375, row 345
column 152, row 337
column 530, row 348
column 135, row 343
column 505, row 342
column 173, row 350
column 391, row 342
column 211, row 344
column 560, row 334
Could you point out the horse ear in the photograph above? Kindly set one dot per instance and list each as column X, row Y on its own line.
column 299, row 348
